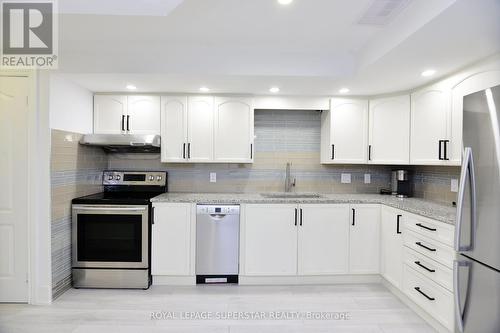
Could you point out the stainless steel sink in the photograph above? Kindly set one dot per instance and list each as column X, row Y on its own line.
column 290, row 195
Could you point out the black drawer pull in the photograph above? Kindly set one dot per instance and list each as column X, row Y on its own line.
column 425, row 227
column 398, row 221
column 424, row 267
column 425, row 247
column 425, row 295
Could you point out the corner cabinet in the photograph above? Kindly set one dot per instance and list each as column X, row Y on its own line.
column 389, row 130
column 206, row 129
column 364, row 239
column 344, row 132
column 391, row 243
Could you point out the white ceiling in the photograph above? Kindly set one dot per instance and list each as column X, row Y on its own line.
column 311, row 47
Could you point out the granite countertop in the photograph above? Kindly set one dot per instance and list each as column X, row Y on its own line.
column 433, row 210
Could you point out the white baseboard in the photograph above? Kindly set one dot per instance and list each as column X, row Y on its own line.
column 161, row 280
column 298, row 280
column 421, row 312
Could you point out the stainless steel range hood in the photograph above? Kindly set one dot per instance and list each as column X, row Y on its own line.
column 123, row 143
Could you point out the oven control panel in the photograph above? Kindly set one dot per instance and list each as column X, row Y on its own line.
column 157, row 178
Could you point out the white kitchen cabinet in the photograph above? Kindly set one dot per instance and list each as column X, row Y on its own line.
column 391, row 245
column 174, row 129
column 389, row 130
column 200, row 145
column 323, row 239
column 172, row 242
column 110, row 112
column 120, row 114
column 364, row 239
column 234, row 122
column 270, row 240
column 430, row 126
column 344, row 132
column 143, row 115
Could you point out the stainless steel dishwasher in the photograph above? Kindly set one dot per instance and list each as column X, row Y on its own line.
column 217, row 243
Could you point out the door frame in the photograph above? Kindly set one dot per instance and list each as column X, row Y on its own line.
column 38, row 238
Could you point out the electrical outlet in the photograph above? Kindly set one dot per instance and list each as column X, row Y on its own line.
column 213, row 177
column 345, row 178
column 368, row 178
column 454, row 185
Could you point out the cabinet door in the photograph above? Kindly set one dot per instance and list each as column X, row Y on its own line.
column 391, row 245
column 233, row 130
column 430, row 117
column 143, row 115
column 323, row 239
column 109, row 114
column 174, row 118
column 390, row 130
column 200, row 129
column 349, row 131
column 364, row 237
column 270, row 240
column 171, row 250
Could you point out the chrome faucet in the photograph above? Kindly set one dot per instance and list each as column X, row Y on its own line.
column 289, row 182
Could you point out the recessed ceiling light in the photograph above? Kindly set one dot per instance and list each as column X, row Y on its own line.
column 344, row 90
column 204, row 89
column 285, row 2
column 428, row 72
column 131, row 87
column 274, row 90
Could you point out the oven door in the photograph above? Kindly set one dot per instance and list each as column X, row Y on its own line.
column 110, row 236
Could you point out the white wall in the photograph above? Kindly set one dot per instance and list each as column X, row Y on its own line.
column 70, row 106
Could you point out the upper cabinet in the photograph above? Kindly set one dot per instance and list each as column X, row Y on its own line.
column 431, row 126
column 389, row 130
column 344, row 132
column 119, row 114
column 204, row 129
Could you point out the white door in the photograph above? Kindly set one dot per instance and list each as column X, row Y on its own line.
column 430, row 113
column 323, row 243
column 110, row 112
column 200, row 129
column 389, row 138
column 364, row 239
column 391, row 245
column 233, row 130
column 14, row 191
column 143, row 115
column 270, row 240
column 171, row 239
column 349, row 131
column 174, row 128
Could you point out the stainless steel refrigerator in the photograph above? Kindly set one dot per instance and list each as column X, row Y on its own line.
column 477, row 238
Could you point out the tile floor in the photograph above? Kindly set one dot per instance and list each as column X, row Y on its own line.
column 369, row 307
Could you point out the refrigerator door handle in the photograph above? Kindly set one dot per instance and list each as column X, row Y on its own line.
column 459, row 312
column 467, row 171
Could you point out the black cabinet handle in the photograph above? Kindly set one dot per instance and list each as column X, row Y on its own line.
column 128, row 123
column 353, row 216
column 295, row 216
column 123, row 123
column 301, row 217
column 425, row 227
column 445, row 143
column 369, row 152
column 440, row 156
column 425, row 295
column 152, row 215
column 398, row 220
column 189, row 149
column 251, row 150
column 425, row 247
column 424, row 267
column 184, row 150
column 333, row 152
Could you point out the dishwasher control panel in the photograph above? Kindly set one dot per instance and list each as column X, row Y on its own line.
column 218, row 209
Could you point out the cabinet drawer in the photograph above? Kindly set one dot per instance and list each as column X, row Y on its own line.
column 433, row 298
column 430, row 248
column 439, row 231
column 429, row 268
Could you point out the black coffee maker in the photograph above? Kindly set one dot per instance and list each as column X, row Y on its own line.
column 401, row 183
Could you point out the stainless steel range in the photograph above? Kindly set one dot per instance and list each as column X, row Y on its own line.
column 111, row 231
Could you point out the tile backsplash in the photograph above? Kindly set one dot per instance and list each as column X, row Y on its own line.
column 434, row 182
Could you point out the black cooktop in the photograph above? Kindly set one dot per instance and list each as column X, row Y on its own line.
column 116, row 198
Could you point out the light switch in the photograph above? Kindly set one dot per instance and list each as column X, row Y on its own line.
column 213, row 177
column 368, row 178
column 454, row 185
column 345, row 178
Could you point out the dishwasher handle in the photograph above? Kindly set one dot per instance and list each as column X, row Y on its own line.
column 217, row 217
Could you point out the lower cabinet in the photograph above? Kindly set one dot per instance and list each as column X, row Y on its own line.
column 364, row 239
column 172, row 243
column 391, row 245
